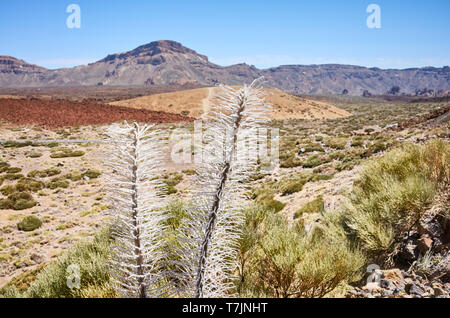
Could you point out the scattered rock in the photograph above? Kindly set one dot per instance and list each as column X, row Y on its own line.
column 36, row 258
column 395, row 283
column 414, row 290
column 424, row 244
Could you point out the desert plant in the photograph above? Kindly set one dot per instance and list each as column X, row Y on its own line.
column 214, row 231
column 285, row 261
column 392, row 194
column 139, row 223
column 91, row 258
column 314, row 206
column 29, row 223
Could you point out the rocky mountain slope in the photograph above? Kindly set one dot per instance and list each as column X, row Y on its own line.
column 163, row 63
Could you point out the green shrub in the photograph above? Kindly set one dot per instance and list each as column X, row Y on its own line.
column 357, row 143
column 16, row 144
column 52, row 144
column 314, row 147
column 377, row 146
column 3, row 165
column 18, row 201
column 336, row 143
column 314, row 206
column 6, row 204
column 170, row 180
column 270, row 204
column 292, row 186
column 44, row 173
column 290, row 162
column 189, row 172
column 33, row 154
column 56, row 183
column 13, row 170
column 23, row 204
column 281, row 261
column 66, row 153
column 13, row 176
column 29, row 223
column 8, row 189
column 393, row 193
column 29, row 184
column 91, row 257
column 91, row 174
column 313, row 161
column 264, row 196
column 74, row 176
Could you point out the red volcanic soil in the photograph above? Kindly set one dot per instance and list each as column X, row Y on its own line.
column 63, row 113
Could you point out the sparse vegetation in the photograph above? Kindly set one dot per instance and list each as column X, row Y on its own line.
column 314, row 206
column 277, row 260
column 392, row 194
column 66, row 153
column 29, row 223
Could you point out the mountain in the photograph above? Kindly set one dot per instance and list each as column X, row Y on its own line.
column 163, row 63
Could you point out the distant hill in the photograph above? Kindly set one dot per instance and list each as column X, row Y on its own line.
column 163, row 63
column 196, row 103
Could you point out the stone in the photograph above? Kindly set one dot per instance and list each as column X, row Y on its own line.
column 430, row 225
column 424, row 244
column 442, row 270
column 438, row 291
column 371, row 286
column 36, row 258
column 415, row 290
column 393, row 274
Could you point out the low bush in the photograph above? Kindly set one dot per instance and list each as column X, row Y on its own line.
column 290, row 162
column 292, row 186
column 91, row 174
column 314, row 206
column 312, row 161
column 392, row 194
column 91, row 259
column 66, row 153
column 17, row 201
column 277, row 260
column 29, row 223
column 57, row 183
column 44, row 173
column 336, row 143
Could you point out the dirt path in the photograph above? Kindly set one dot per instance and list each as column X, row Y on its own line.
column 206, row 102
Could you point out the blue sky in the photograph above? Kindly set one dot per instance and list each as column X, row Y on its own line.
column 263, row 33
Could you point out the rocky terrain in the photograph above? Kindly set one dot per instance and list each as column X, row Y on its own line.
column 62, row 113
column 163, row 63
column 52, row 194
column 424, row 260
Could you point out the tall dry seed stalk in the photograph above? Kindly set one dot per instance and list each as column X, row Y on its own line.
column 136, row 201
column 206, row 249
column 209, row 254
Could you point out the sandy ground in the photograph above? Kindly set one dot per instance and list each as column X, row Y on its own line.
column 197, row 102
column 68, row 215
